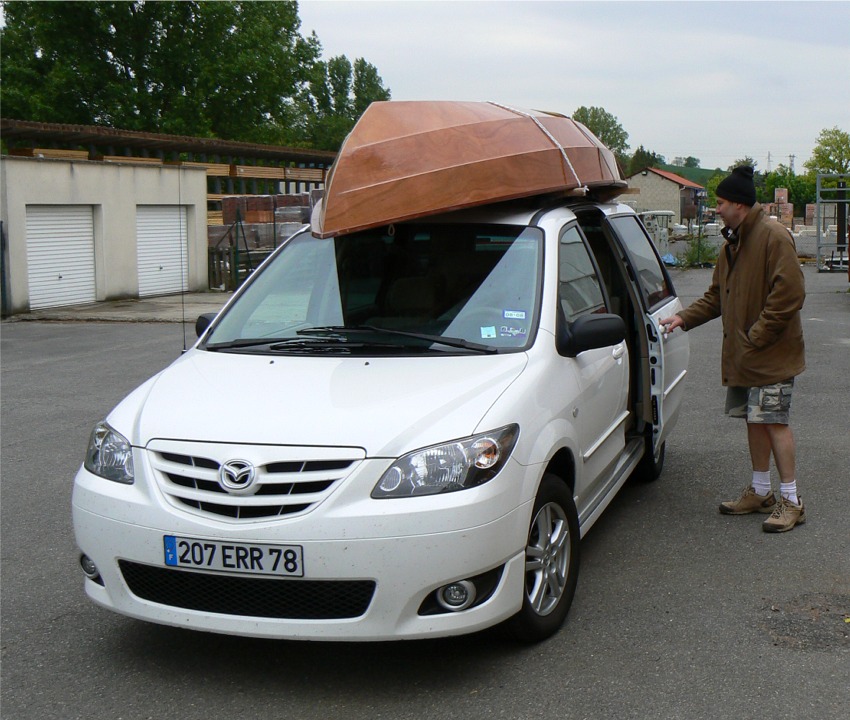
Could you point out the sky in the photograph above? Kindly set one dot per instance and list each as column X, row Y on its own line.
column 715, row 80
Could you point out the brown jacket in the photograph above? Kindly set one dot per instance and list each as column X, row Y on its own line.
column 758, row 289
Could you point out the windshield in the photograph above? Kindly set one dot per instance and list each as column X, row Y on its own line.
column 411, row 287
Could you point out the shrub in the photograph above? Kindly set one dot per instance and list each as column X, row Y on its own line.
column 700, row 252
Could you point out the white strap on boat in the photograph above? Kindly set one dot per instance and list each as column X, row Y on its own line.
column 545, row 132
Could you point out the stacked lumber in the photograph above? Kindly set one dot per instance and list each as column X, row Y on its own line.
column 53, row 153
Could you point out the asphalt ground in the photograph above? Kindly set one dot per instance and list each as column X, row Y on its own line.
column 164, row 309
column 680, row 612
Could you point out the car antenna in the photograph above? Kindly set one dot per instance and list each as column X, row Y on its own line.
column 183, row 275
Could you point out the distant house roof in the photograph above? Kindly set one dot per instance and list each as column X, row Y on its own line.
column 673, row 177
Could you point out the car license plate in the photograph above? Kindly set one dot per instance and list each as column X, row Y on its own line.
column 253, row 559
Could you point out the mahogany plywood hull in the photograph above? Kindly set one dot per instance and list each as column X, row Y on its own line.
column 406, row 160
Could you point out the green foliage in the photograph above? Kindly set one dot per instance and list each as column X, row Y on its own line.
column 747, row 160
column 832, row 152
column 711, row 187
column 699, row 252
column 643, row 159
column 801, row 188
column 368, row 86
column 688, row 162
column 242, row 71
column 338, row 94
column 232, row 70
column 607, row 128
column 698, row 175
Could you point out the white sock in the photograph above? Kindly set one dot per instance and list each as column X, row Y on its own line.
column 761, row 482
column 789, row 491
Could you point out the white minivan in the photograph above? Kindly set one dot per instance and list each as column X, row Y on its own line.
column 397, row 433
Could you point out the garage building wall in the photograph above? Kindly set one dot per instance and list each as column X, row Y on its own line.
column 656, row 193
column 113, row 191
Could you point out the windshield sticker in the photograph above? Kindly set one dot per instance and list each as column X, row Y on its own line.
column 488, row 332
column 506, row 331
column 514, row 314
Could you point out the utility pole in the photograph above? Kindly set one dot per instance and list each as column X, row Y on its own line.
column 768, row 160
column 791, row 161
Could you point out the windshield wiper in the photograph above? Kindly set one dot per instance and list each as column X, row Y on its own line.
column 342, row 331
column 341, row 335
column 242, row 343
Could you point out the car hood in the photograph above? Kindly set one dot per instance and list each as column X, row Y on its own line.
column 387, row 406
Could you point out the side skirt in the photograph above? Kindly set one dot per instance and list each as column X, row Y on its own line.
column 629, row 460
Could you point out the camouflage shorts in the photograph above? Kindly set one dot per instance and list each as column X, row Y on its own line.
column 769, row 405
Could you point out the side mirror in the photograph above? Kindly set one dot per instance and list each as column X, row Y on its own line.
column 203, row 322
column 588, row 333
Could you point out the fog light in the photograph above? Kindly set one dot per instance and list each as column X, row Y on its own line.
column 456, row 596
column 89, row 568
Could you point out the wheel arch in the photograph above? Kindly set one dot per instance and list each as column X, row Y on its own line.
column 562, row 465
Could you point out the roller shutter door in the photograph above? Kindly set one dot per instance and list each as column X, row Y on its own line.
column 161, row 242
column 60, row 255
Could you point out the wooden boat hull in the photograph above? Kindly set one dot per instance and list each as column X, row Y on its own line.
column 405, row 160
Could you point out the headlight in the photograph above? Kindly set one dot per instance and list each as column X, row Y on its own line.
column 456, row 465
column 110, row 455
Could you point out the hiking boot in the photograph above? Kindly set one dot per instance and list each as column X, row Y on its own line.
column 749, row 502
column 785, row 516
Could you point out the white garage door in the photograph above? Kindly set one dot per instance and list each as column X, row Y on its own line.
column 60, row 255
column 162, row 249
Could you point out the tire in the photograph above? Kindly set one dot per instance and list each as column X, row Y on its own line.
column 651, row 465
column 551, row 562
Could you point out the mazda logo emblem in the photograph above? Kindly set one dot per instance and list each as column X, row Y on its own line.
column 237, row 476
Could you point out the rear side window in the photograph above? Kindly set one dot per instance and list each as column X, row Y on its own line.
column 578, row 284
column 652, row 279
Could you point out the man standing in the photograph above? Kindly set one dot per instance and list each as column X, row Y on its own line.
column 758, row 290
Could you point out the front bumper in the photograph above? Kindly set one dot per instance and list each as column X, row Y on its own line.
column 405, row 566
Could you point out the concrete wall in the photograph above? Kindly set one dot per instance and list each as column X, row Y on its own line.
column 113, row 190
column 656, row 193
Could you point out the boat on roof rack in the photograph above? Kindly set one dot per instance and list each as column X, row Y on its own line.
column 405, row 160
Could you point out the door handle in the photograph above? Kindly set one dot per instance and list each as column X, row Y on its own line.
column 619, row 351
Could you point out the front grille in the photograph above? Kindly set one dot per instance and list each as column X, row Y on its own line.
column 249, row 596
column 283, row 486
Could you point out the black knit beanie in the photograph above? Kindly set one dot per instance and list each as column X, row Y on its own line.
column 738, row 187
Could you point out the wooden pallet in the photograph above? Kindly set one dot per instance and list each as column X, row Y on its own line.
column 295, row 174
column 258, row 172
column 132, row 160
column 53, row 153
column 213, row 169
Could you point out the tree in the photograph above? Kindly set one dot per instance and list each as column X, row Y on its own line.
column 711, row 187
column 338, row 94
column 607, row 128
column 208, row 69
column 689, row 162
column 232, row 70
column 831, row 154
column 801, row 188
column 368, row 86
column 746, row 160
column 643, row 159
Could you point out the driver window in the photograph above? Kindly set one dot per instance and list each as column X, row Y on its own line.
column 652, row 278
column 579, row 291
